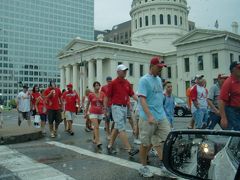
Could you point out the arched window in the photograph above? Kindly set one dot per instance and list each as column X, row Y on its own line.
column 146, row 20
column 140, row 22
column 169, row 19
column 175, row 20
column 153, row 20
column 181, row 20
column 161, row 19
column 136, row 24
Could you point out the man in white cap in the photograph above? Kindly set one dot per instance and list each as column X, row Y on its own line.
column 119, row 91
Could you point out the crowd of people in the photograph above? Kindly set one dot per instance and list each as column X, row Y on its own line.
column 151, row 119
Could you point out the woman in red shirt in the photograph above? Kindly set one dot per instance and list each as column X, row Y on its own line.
column 96, row 113
column 41, row 110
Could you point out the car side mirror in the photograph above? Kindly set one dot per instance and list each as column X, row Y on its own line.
column 203, row 154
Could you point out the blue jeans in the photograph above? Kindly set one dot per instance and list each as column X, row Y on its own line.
column 214, row 119
column 233, row 117
column 200, row 117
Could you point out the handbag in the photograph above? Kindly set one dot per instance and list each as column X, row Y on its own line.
column 37, row 121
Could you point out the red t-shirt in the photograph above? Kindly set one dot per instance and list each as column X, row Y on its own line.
column 104, row 89
column 119, row 91
column 96, row 103
column 41, row 106
column 230, row 92
column 34, row 98
column 70, row 98
column 53, row 101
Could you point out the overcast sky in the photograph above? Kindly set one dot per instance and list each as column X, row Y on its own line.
column 203, row 12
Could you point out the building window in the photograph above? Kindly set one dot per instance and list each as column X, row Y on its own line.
column 239, row 58
column 187, row 84
column 153, row 20
column 141, row 70
column 181, row 20
column 200, row 63
column 215, row 60
column 130, row 69
column 169, row 19
column 169, row 72
column 140, row 22
column 161, row 19
column 175, row 20
column 119, row 63
column 231, row 57
column 146, row 20
column 186, row 64
column 136, row 23
column 126, row 35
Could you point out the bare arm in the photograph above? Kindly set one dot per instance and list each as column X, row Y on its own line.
column 146, row 109
column 210, row 103
column 224, row 121
column 36, row 105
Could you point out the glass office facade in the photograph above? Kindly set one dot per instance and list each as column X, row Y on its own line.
column 32, row 32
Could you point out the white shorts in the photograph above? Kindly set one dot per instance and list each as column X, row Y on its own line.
column 96, row 116
column 70, row 115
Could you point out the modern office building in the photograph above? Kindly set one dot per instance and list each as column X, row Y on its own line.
column 32, row 32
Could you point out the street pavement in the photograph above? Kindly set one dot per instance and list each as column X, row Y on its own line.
column 72, row 157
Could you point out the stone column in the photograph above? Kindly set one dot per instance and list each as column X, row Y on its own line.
column 99, row 71
column 68, row 74
column 62, row 78
column 75, row 77
column 90, row 74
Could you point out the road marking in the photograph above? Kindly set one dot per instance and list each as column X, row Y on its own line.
column 24, row 167
column 101, row 127
column 104, row 157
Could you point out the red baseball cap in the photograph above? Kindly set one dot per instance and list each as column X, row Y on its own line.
column 70, row 85
column 156, row 61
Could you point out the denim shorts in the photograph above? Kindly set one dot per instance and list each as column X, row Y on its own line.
column 96, row 116
column 233, row 117
column 200, row 117
column 70, row 115
column 214, row 119
column 119, row 114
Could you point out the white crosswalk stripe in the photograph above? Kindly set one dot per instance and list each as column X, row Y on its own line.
column 26, row 168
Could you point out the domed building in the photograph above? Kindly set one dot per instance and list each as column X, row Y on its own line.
column 158, row 28
column 156, row 24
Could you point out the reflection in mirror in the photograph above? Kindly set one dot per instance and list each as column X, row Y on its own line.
column 206, row 156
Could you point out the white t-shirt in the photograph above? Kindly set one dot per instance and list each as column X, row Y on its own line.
column 24, row 101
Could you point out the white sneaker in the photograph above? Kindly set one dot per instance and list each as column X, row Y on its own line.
column 145, row 172
column 137, row 141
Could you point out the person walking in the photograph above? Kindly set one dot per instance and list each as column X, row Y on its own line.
column 119, row 91
column 71, row 103
column 169, row 102
column 213, row 101
column 53, row 101
column 108, row 118
column 153, row 124
column 24, row 106
column 96, row 113
column 199, row 103
column 88, row 124
column 230, row 99
column 35, row 94
column 41, row 110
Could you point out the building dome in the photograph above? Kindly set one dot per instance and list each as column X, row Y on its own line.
column 157, row 23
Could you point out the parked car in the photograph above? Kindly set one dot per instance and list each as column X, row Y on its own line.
column 213, row 154
column 181, row 107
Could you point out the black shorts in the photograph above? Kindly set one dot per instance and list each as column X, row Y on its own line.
column 34, row 112
column 43, row 117
column 54, row 115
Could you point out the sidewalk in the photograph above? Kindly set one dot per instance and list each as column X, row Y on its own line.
column 11, row 133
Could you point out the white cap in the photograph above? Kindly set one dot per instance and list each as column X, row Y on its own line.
column 121, row 67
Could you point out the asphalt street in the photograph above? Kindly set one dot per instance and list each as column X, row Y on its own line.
column 72, row 157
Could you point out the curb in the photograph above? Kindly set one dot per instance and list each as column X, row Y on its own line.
column 20, row 138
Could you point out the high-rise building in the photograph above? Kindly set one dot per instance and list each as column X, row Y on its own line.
column 32, row 32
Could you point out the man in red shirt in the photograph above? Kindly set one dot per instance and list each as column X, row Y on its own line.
column 230, row 99
column 119, row 91
column 72, row 104
column 53, row 104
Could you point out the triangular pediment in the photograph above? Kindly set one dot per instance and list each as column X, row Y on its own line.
column 199, row 35
column 76, row 44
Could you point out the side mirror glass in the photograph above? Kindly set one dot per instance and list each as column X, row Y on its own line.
column 203, row 154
